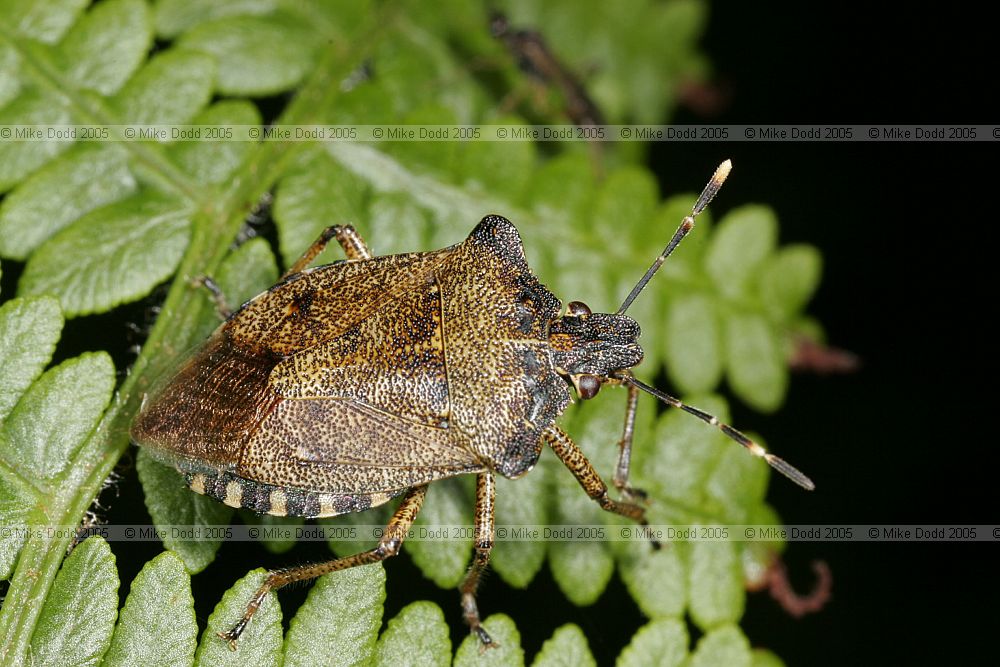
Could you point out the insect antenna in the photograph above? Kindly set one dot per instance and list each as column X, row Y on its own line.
column 779, row 464
column 687, row 224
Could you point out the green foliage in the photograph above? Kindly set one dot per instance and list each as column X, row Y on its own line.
column 79, row 614
column 29, row 330
column 261, row 642
column 88, row 176
column 444, row 561
column 160, row 597
column 715, row 583
column 107, row 45
column 338, row 624
column 44, row 417
column 102, row 223
column 170, row 503
column 20, row 158
column 47, row 23
column 723, row 646
column 566, row 648
column 662, row 642
column 123, row 250
column 417, row 636
column 56, row 414
column 583, row 569
column 764, row 658
column 508, row 651
column 521, row 502
column 246, row 69
column 657, row 580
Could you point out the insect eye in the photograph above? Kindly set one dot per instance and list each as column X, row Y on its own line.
column 578, row 309
column 588, row 386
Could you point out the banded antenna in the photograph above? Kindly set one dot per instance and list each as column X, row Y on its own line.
column 687, row 224
column 778, row 463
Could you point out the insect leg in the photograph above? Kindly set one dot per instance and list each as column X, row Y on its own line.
column 346, row 236
column 218, row 298
column 389, row 545
column 625, row 451
column 485, row 497
column 583, row 470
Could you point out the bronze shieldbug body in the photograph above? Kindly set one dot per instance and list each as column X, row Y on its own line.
column 348, row 384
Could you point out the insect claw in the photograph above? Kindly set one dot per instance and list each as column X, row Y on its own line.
column 233, row 635
column 229, row 638
column 485, row 641
column 653, row 542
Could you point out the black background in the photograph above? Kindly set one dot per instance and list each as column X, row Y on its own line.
column 907, row 231
column 907, row 234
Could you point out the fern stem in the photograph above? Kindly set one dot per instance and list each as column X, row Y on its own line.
column 216, row 222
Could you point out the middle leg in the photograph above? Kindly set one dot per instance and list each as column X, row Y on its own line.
column 483, row 527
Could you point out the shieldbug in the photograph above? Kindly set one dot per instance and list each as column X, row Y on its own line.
column 348, row 384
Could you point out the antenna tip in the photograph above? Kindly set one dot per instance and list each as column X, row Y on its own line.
column 790, row 471
column 722, row 172
column 718, row 178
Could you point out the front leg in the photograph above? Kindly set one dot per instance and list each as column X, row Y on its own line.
column 589, row 479
column 587, row 476
column 627, row 491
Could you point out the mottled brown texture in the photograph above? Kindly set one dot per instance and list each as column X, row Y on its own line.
column 199, row 419
column 348, row 384
column 367, row 377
